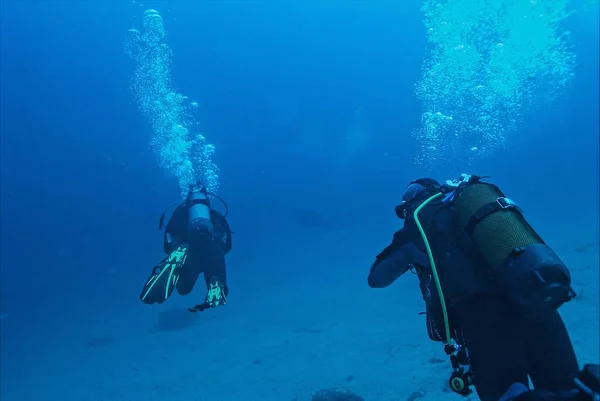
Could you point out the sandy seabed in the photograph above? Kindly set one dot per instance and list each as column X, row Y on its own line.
column 282, row 337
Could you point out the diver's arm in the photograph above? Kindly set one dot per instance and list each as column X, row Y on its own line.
column 392, row 262
column 222, row 230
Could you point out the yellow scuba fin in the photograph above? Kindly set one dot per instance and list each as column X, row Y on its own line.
column 164, row 277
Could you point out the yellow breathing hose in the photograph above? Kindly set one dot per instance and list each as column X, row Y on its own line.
column 433, row 268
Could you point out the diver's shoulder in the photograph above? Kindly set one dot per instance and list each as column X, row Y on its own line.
column 215, row 214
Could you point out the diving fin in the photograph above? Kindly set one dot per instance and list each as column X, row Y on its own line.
column 164, row 277
column 214, row 297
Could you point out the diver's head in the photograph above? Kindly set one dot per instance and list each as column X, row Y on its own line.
column 415, row 193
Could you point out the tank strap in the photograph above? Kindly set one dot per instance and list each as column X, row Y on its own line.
column 192, row 202
column 501, row 203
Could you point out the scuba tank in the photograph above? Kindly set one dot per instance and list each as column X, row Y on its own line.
column 203, row 222
column 526, row 268
column 199, row 224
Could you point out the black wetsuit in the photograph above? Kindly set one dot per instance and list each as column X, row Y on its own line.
column 504, row 345
column 206, row 257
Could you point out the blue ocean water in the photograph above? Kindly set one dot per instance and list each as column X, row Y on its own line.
column 319, row 114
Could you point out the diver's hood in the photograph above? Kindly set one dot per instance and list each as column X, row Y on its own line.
column 416, row 192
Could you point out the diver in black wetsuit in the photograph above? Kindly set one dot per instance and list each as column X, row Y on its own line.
column 491, row 288
column 196, row 240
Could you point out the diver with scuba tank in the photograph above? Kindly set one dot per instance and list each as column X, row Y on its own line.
column 196, row 240
column 491, row 288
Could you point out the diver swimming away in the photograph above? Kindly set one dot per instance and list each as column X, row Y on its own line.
column 196, row 240
column 491, row 288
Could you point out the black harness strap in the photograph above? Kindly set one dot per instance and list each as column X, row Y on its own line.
column 502, row 203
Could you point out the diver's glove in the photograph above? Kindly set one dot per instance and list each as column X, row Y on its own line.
column 545, row 395
column 520, row 392
column 586, row 388
column 534, row 395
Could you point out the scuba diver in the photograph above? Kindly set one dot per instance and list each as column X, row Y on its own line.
column 491, row 288
column 196, row 240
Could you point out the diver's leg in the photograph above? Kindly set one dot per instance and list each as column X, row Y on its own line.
column 550, row 354
column 189, row 274
column 493, row 339
column 214, row 266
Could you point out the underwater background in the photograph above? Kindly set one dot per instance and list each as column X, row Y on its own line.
column 309, row 119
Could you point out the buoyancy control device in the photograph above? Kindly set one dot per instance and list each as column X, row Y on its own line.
column 203, row 222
